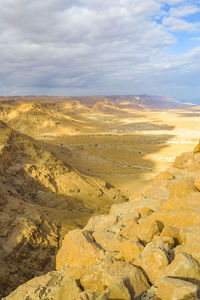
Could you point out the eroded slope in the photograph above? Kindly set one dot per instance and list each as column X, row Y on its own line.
column 41, row 198
column 148, row 248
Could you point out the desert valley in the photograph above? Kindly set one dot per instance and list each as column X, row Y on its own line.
column 91, row 187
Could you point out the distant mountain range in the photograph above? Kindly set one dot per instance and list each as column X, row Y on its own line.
column 121, row 101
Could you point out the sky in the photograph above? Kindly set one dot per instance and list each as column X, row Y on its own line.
column 100, row 47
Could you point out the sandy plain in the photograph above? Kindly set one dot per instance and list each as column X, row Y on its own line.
column 123, row 144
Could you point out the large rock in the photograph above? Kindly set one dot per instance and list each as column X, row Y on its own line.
column 183, row 266
column 153, row 260
column 109, row 271
column 121, row 290
column 170, row 288
column 78, row 248
column 129, row 250
column 177, row 218
column 101, row 223
column 190, row 241
column 44, row 287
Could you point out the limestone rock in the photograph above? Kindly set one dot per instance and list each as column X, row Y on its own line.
column 41, row 198
column 101, row 223
column 177, row 218
column 148, row 229
column 108, row 240
column 89, row 295
column 103, row 275
column 69, row 290
column 170, row 288
column 190, row 241
column 130, row 249
column 150, row 294
column 197, row 148
column 78, row 247
column 45, row 287
column 173, row 232
column 153, row 260
column 164, row 240
column 183, row 266
column 121, row 290
column 197, row 184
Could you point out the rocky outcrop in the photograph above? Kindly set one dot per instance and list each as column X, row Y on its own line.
column 41, row 199
column 147, row 248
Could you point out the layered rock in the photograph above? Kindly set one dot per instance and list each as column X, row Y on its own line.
column 41, row 199
column 147, row 248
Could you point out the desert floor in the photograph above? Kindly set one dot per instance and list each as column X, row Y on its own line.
column 123, row 146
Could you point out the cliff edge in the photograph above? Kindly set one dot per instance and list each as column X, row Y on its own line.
column 148, row 248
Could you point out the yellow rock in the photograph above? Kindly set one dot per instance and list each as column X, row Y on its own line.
column 177, row 218
column 197, row 184
column 176, row 289
column 120, row 291
column 190, row 242
column 129, row 229
column 47, row 286
column 181, row 187
column 100, row 223
column 153, row 260
column 143, row 231
column 89, row 295
column 147, row 229
column 78, row 248
column 197, row 148
column 108, row 271
column 108, row 240
column 183, row 266
column 169, row 231
column 164, row 240
column 184, row 160
column 69, row 290
column 189, row 202
column 144, row 211
column 130, row 249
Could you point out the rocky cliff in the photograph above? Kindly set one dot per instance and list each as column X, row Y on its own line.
column 41, row 199
column 148, row 248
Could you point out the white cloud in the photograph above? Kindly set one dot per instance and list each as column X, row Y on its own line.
column 176, row 24
column 184, row 10
column 90, row 47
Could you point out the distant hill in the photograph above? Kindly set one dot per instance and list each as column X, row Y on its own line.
column 119, row 101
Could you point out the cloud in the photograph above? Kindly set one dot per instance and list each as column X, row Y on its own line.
column 91, row 47
column 176, row 24
column 175, row 21
column 184, row 10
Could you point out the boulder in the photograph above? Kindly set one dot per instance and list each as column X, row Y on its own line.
column 46, row 287
column 183, row 266
column 177, row 218
column 89, row 295
column 130, row 249
column 153, row 260
column 121, row 290
column 108, row 240
column 170, row 288
column 69, row 290
column 147, row 229
column 164, row 240
column 173, row 232
column 100, row 223
column 102, row 276
column 78, row 248
column 197, row 184
column 190, row 241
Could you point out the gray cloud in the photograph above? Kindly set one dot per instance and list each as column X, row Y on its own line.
column 94, row 47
